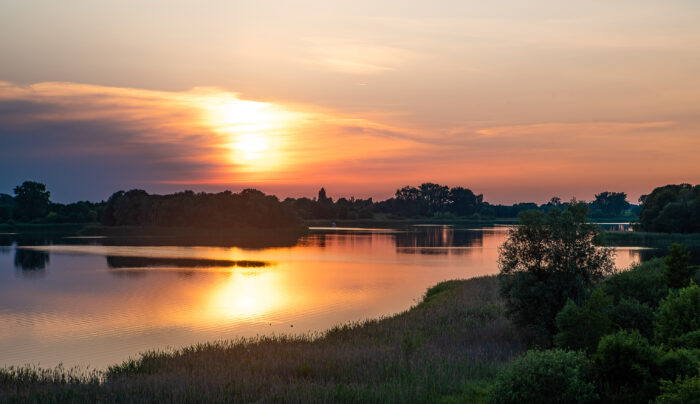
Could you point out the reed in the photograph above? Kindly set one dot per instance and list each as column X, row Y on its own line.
column 445, row 348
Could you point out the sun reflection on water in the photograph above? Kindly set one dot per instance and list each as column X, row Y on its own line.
column 247, row 295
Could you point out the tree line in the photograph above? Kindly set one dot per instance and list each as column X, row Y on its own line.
column 671, row 208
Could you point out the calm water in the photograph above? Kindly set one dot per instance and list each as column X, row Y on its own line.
column 95, row 302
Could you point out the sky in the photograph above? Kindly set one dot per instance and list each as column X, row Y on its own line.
column 520, row 101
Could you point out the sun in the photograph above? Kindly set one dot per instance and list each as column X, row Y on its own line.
column 250, row 146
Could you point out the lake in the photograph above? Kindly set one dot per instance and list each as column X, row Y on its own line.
column 98, row 301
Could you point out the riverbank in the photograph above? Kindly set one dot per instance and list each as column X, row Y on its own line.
column 446, row 348
column 646, row 239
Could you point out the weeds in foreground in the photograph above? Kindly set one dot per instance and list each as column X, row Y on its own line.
column 441, row 349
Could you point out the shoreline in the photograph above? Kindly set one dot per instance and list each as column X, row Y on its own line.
column 457, row 331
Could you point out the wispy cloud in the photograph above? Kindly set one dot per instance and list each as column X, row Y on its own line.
column 354, row 57
column 88, row 141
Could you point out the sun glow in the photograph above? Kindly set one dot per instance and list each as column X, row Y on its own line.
column 251, row 146
column 256, row 131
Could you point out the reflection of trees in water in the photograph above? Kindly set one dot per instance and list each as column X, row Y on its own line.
column 115, row 261
column 437, row 240
column 30, row 260
column 315, row 240
column 137, row 267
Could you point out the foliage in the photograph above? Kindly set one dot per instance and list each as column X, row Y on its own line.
column 7, row 207
column 609, row 204
column 431, row 199
column 32, row 201
column 547, row 260
column 631, row 314
column 679, row 363
column 581, row 327
column 681, row 391
column 671, row 209
column 678, row 315
column 626, row 364
column 678, row 271
column 552, row 376
column 643, row 282
column 249, row 208
column 324, row 207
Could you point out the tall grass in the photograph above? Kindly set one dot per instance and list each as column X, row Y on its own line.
column 444, row 348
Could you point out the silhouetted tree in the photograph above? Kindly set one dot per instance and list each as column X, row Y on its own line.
column 547, row 260
column 7, row 207
column 32, row 201
column 463, row 202
column 322, row 198
column 609, row 204
column 672, row 209
column 249, row 208
column 678, row 272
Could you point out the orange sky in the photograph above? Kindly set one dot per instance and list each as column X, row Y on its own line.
column 520, row 103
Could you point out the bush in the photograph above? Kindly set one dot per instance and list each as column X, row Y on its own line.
column 679, row 363
column 627, row 367
column 630, row 314
column 580, row 328
column 678, row 271
column 644, row 282
column 682, row 391
column 553, row 376
column 678, row 314
column 547, row 260
column 690, row 340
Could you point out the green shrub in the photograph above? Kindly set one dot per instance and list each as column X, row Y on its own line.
column 580, row 328
column 678, row 315
column 630, row 314
column 627, row 367
column 682, row 391
column 690, row 340
column 643, row 282
column 678, row 272
column 679, row 363
column 550, row 258
column 553, row 376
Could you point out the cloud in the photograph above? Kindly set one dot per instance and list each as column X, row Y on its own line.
column 354, row 57
column 86, row 142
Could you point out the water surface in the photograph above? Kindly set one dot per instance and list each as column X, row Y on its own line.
column 99, row 301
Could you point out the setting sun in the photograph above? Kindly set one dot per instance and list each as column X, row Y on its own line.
column 250, row 146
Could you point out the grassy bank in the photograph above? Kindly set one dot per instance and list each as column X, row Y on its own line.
column 447, row 348
column 638, row 238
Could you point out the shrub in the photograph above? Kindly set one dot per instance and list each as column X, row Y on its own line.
column 678, row 271
column 630, row 314
column 553, row 376
column 690, row 340
column 678, row 315
column 643, row 282
column 679, row 363
column 580, row 328
column 547, row 260
column 682, row 391
column 627, row 365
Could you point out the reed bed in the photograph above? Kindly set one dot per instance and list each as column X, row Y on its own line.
column 444, row 349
